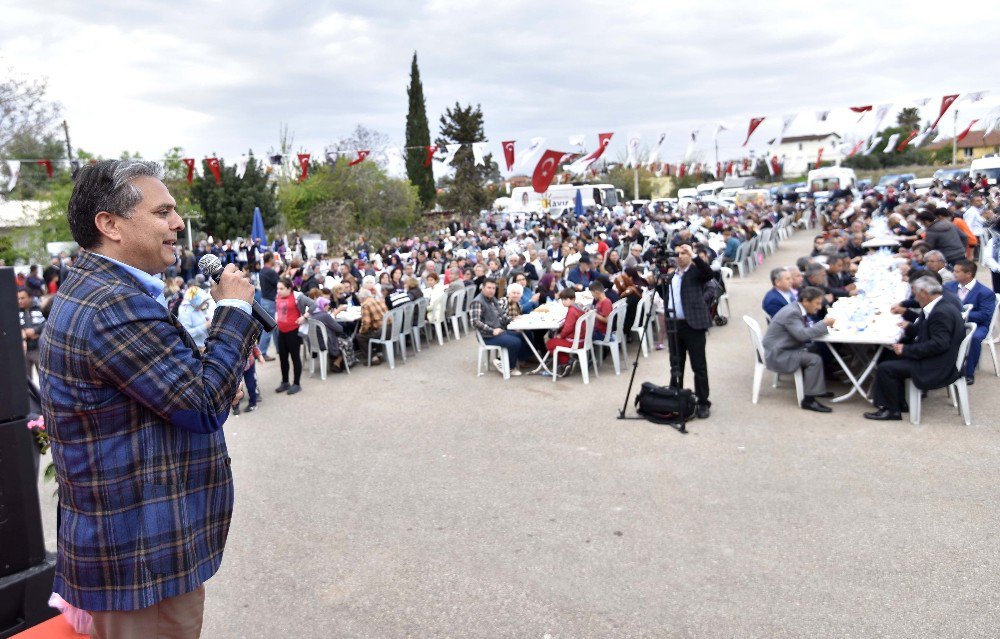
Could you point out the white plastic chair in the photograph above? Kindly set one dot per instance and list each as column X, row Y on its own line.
column 614, row 339
column 419, row 320
column 406, row 330
column 992, row 338
column 317, row 328
column 470, row 294
column 437, row 320
column 483, row 357
column 958, row 390
column 644, row 307
column 760, row 366
column 966, row 309
column 583, row 347
column 455, row 311
column 388, row 338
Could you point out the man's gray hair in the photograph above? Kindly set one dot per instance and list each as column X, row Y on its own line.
column 106, row 186
column 934, row 255
column 364, row 294
column 927, row 285
column 777, row 273
column 814, row 268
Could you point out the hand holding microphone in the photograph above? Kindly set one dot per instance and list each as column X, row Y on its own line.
column 230, row 284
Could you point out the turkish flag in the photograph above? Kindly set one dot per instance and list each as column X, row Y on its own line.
column 746, row 164
column 862, row 109
column 730, row 167
column 303, row 166
column 946, row 102
column 775, row 165
column 902, row 145
column 508, row 153
column 189, row 163
column 680, row 171
column 47, row 164
column 362, row 156
column 431, row 150
column 754, row 123
column 545, row 170
column 961, row 136
column 603, row 140
column 216, row 169
column 819, row 157
column 857, row 147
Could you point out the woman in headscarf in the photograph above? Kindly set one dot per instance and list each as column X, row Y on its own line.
column 194, row 315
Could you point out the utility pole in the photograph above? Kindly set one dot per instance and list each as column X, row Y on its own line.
column 69, row 149
column 717, row 151
column 635, row 176
column 954, row 139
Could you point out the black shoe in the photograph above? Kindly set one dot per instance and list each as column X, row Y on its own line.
column 281, row 389
column 236, row 409
column 826, row 395
column 970, row 380
column 810, row 403
column 269, row 358
column 703, row 411
column 251, row 408
column 294, row 388
column 884, row 415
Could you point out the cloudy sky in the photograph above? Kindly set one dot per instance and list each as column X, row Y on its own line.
column 222, row 77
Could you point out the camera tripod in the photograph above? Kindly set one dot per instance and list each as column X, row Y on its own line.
column 676, row 381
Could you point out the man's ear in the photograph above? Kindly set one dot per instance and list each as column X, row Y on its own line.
column 108, row 225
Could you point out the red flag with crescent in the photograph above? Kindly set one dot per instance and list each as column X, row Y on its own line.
column 545, row 170
column 362, row 156
column 48, row 166
column 902, row 145
column 754, row 123
column 431, row 150
column 857, row 147
column 189, row 163
column 775, row 165
column 508, row 153
column 303, row 166
column 946, row 102
column 819, row 157
column 216, row 169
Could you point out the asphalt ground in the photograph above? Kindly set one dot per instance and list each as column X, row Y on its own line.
column 428, row 502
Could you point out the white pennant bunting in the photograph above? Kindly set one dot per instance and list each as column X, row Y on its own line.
column 871, row 147
column 241, row 166
column 691, row 145
column 821, row 116
column 633, row 150
column 14, row 166
column 880, row 113
column 450, row 151
column 654, row 155
column 975, row 96
column 786, row 121
column 577, row 140
column 528, row 156
column 891, row 144
column 922, row 102
column 719, row 129
column 477, row 153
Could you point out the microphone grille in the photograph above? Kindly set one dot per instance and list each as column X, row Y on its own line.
column 209, row 264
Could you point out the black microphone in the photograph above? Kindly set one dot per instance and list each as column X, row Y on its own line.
column 212, row 268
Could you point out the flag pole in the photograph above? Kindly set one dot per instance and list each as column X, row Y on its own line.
column 954, row 140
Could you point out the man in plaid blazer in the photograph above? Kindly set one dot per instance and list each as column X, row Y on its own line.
column 135, row 413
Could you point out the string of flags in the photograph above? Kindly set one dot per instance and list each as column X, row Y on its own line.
column 548, row 163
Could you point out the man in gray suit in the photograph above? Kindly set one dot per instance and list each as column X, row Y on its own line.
column 786, row 345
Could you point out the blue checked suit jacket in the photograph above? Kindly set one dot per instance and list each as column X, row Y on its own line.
column 135, row 415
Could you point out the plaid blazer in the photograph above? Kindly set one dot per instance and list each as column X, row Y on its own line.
column 135, row 416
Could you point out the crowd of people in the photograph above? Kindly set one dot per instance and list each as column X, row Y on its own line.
column 939, row 239
column 518, row 262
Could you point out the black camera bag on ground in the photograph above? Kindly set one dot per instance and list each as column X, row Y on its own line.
column 665, row 404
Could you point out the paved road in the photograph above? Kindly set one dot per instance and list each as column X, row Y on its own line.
column 427, row 502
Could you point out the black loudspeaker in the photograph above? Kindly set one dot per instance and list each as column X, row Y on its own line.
column 21, row 543
column 24, row 598
column 13, row 372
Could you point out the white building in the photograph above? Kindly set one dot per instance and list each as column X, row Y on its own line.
column 799, row 152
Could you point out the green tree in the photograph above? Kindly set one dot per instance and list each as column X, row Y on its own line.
column 908, row 118
column 467, row 191
column 340, row 201
column 227, row 209
column 880, row 159
column 418, row 136
column 28, row 131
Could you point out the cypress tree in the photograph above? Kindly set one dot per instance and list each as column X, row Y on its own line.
column 418, row 136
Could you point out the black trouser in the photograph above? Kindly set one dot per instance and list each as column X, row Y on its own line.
column 288, row 345
column 890, row 383
column 690, row 343
column 996, row 281
column 631, row 305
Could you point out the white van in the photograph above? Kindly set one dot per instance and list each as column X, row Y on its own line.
column 562, row 196
column 821, row 182
column 709, row 188
column 988, row 167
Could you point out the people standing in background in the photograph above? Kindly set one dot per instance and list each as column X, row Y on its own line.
column 32, row 324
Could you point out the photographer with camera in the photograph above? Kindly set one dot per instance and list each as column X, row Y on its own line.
column 688, row 318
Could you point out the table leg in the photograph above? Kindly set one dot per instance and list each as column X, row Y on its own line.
column 541, row 360
column 856, row 382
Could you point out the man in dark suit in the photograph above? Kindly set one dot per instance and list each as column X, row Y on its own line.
column 688, row 317
column 781, row 292
column 927, row 353
column 983, row 302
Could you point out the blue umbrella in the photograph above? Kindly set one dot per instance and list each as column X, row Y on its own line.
column 257, row 230
column 578, row 205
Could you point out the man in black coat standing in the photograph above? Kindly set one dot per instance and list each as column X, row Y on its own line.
column 927, row 355
column 687, row 314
